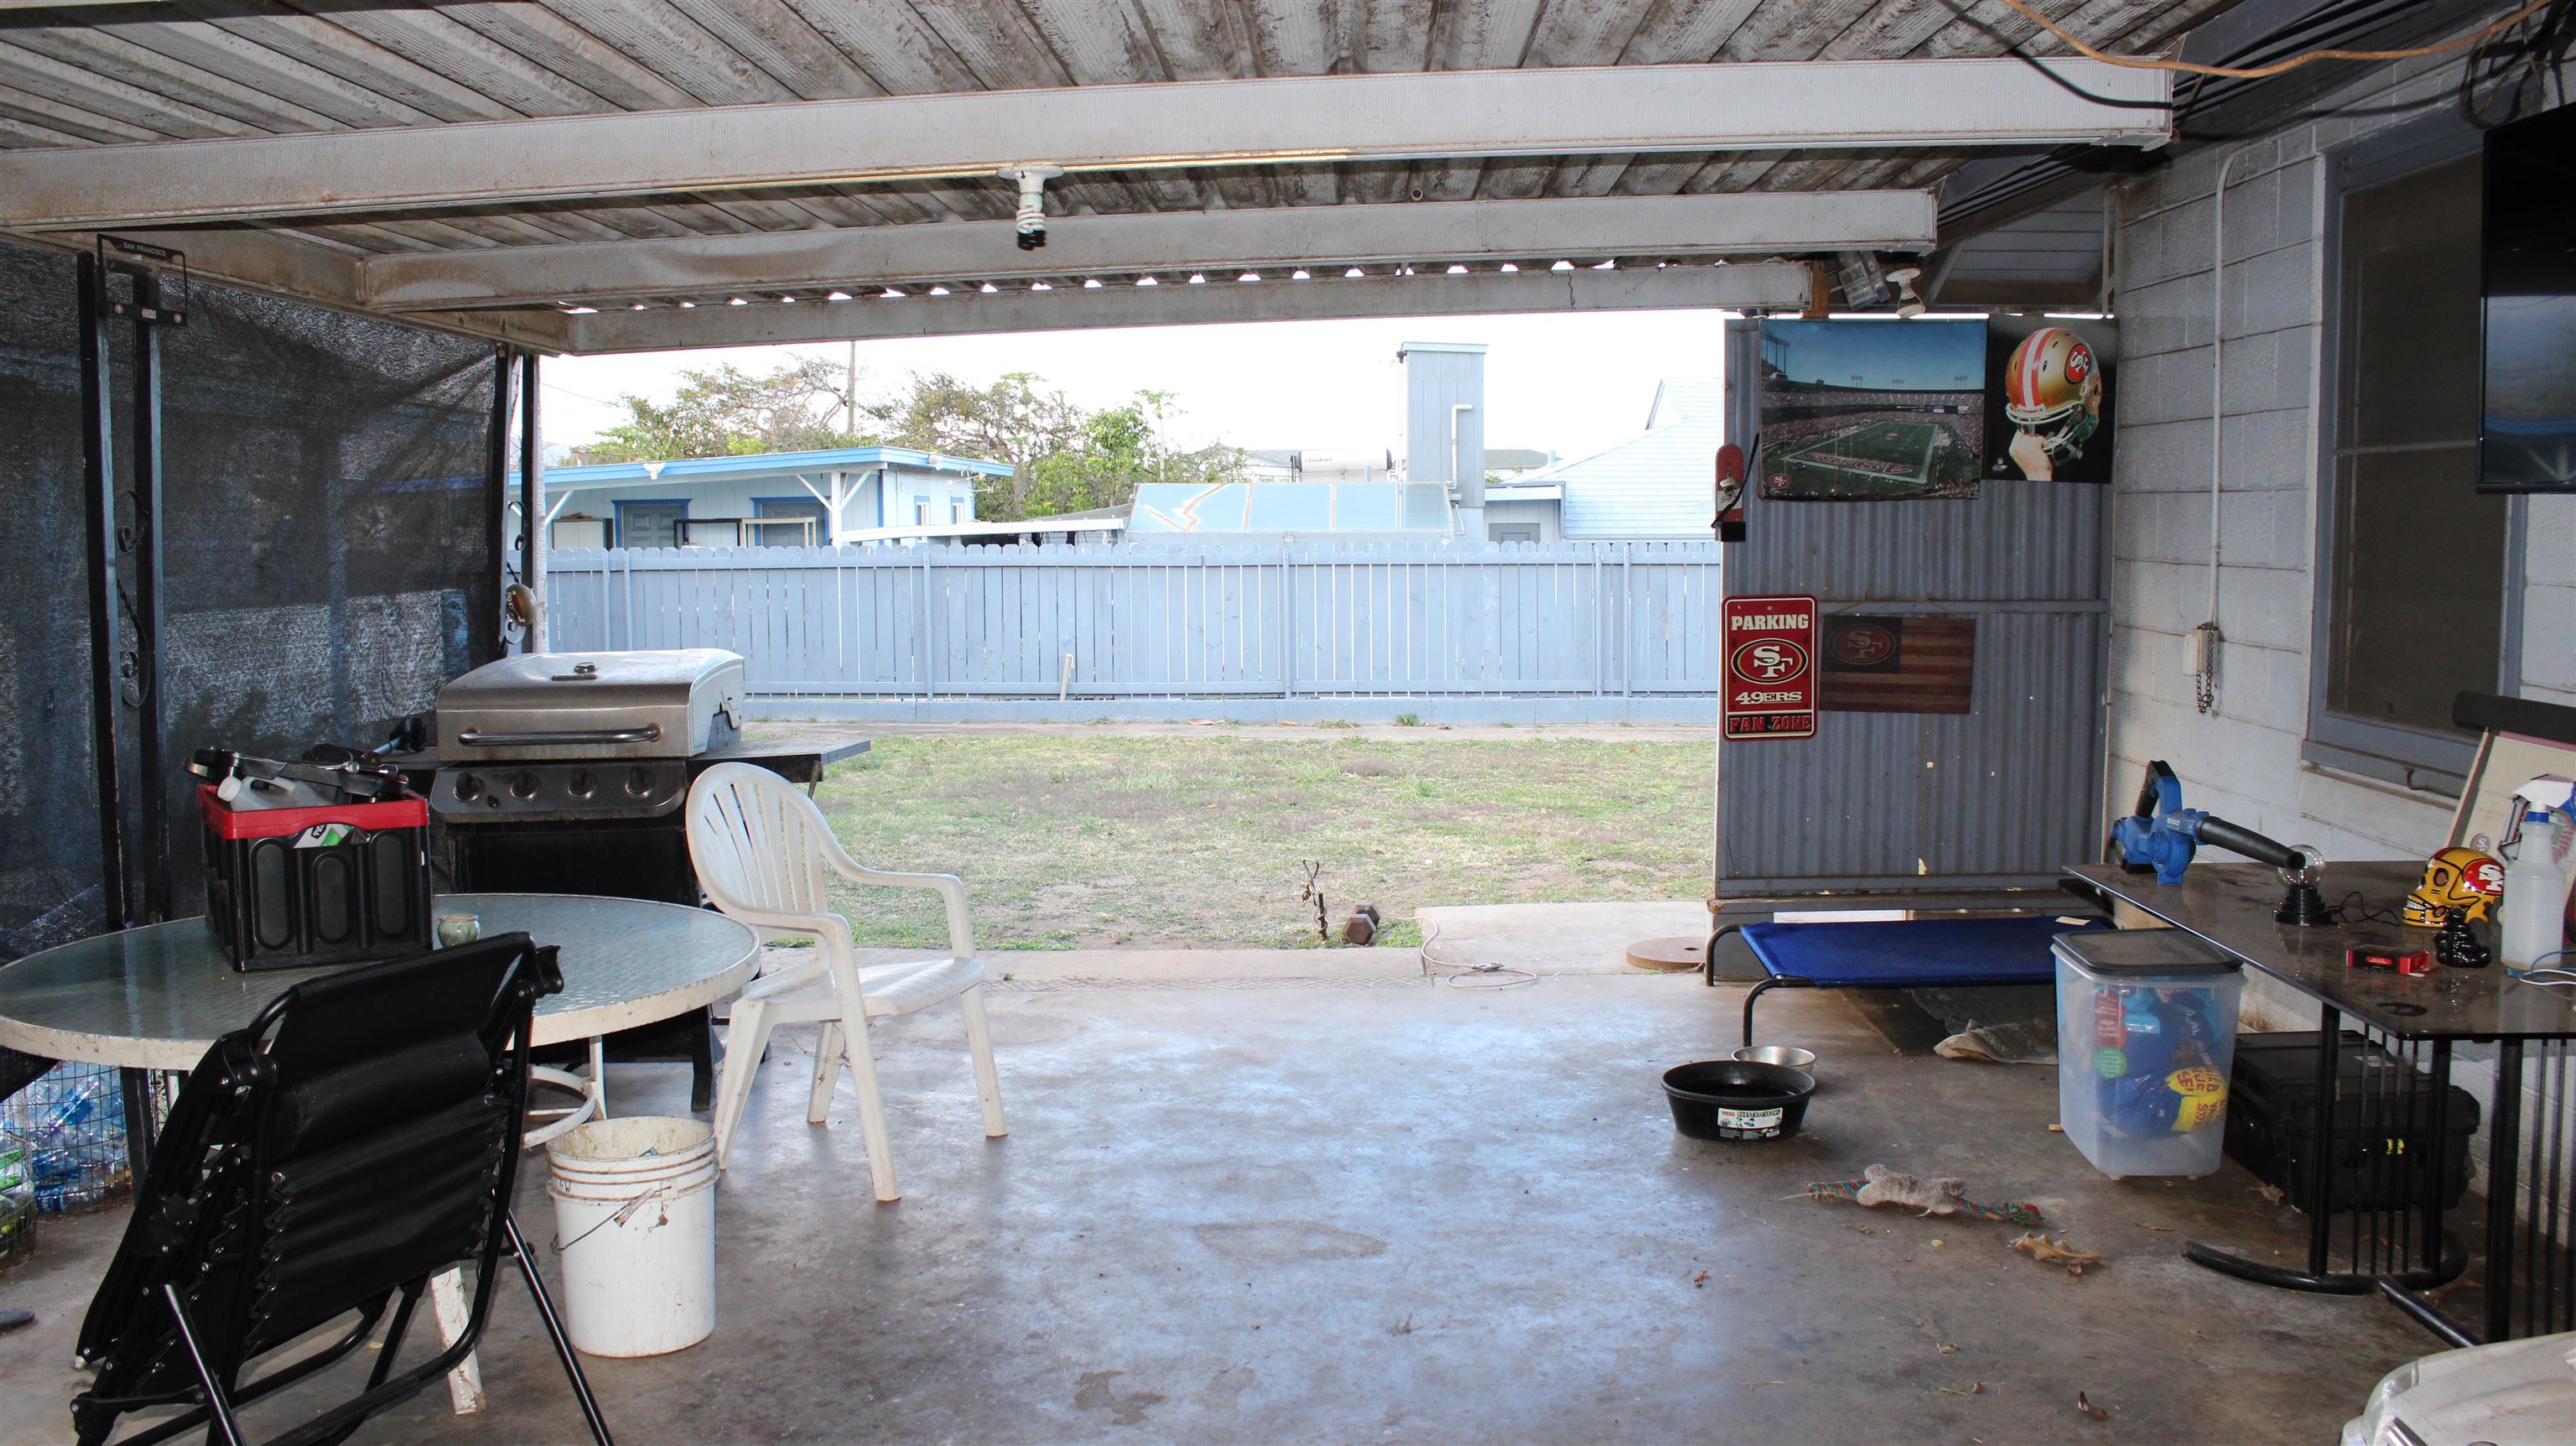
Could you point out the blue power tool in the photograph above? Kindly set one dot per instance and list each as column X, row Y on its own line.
column 2162, row 836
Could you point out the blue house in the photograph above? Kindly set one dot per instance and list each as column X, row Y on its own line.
column 771, row 499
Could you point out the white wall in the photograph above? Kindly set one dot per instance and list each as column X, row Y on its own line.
column 2243, row 761
column 1521, row 514
column 737, row 498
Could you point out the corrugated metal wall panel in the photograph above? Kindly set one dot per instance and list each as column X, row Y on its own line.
column 2001, row 796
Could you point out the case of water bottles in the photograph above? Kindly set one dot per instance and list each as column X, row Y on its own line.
column 2146, row 1038
column 62, row 1142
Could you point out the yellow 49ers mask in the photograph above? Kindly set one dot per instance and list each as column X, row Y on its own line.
column 2455, row 878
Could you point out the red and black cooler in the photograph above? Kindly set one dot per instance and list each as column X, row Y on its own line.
column 287, row 888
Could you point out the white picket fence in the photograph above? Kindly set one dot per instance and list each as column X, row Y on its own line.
column 1211, row 620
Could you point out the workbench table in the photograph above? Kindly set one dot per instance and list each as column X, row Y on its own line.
column 2403, row 1252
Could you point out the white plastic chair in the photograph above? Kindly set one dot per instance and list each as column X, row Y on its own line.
column 762, row 852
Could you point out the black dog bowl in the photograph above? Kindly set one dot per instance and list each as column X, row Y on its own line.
column 1728, row 1099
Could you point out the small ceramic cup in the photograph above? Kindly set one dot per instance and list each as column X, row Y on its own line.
column 455, row 929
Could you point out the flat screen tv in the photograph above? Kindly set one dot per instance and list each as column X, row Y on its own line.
column 2527, row 431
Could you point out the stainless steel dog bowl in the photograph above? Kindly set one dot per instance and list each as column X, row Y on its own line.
column 1788, row 1055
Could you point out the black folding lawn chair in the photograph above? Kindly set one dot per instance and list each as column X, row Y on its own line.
column 358, row 1138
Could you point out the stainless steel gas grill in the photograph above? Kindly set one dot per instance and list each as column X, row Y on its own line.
column 563, row 773
column 555, row 736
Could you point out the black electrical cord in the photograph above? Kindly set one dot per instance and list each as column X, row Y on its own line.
column 2356, row 909
column 2510, row 73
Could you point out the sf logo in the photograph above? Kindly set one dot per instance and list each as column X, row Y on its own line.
column 1770, row 660
column 1862, row 644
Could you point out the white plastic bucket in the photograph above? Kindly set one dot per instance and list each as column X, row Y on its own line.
column 635, row 1224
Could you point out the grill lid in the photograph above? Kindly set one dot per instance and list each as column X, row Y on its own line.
column 656, row 704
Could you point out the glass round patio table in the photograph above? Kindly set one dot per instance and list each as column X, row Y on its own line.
column 156, row 997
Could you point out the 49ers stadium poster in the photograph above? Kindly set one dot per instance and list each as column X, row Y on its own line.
column 1872, row 411
column 2048, row 391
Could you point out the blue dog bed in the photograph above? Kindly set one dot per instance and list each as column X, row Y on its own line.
column 1901, row 954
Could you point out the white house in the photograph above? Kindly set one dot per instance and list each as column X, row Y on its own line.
column 779, row 499
column 1656, row 485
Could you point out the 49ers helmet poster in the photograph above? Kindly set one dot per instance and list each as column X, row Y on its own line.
column 2048, row 398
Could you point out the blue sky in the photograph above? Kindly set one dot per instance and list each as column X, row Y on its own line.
column 1921, row 356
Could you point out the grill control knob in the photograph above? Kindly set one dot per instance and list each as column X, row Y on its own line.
column 639, row 782
column 581, row 784
column 468, row 788
column 523, row 787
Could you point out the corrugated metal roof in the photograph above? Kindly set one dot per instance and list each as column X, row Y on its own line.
column 1679, row 397
column 766, row 464
column 1656, row 484
column 149, row 73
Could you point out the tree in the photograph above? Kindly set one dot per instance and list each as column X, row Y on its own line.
column 1063, row 458
column 1010, row 421
column 728, row 412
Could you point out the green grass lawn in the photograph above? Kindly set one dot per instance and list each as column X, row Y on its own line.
column 1072, row 841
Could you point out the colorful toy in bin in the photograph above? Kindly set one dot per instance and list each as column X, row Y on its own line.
column 2146, row 1030
column 2155, row 1055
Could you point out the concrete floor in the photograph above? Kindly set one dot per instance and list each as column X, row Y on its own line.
column 1242, row 1204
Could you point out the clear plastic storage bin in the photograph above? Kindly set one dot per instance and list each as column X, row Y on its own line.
column 2146, row 1035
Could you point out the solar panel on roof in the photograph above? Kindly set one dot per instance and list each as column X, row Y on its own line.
column 1365, row 507
column 1290, row 507
column 1426, row 506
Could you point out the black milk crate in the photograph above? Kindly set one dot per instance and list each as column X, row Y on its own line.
column 2383, row 1123
column 362, row 895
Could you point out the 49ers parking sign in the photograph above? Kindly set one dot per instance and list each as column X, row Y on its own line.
column 1770, row 667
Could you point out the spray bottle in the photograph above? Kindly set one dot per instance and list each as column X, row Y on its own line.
column 2535, row 892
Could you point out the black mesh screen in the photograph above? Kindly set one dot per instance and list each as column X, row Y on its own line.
column 48, row 813
column 324, row 532
column 326, row 556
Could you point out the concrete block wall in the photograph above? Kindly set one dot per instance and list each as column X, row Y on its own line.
column 2244, row 760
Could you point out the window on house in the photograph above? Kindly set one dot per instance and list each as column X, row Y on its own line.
column 921, row 512
column 650, row 524
column 956, row 510
column 789, row 522
column 710, row 532
column 2415, row 582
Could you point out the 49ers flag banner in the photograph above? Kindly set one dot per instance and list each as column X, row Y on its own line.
column 1770, row 667
column 1898, row 664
